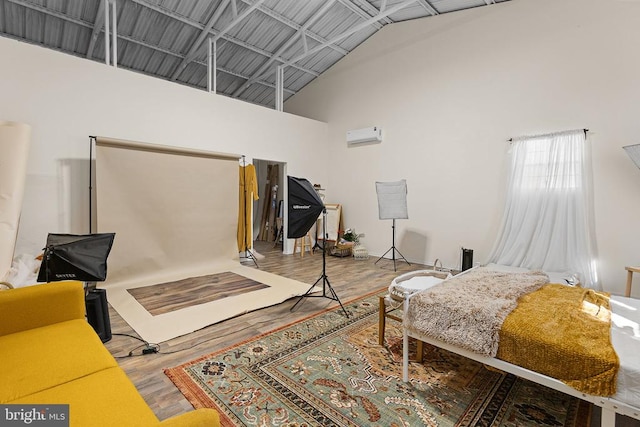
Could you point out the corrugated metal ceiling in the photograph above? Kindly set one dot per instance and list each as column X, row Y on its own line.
column 169, row 38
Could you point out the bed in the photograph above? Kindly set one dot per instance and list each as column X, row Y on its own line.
column 625, row 340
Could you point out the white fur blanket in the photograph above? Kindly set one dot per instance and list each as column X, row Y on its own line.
column 467, row 311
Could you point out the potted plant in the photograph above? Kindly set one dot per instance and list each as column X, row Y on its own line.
column 350, row 235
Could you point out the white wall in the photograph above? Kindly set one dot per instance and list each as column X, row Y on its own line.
column 65, row 99
column 448, row 92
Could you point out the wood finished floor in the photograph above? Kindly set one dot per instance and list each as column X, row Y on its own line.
column 349, row 278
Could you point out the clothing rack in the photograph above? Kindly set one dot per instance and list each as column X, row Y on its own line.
column 247, row 248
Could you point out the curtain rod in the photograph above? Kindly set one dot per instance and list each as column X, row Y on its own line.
column 545, row 134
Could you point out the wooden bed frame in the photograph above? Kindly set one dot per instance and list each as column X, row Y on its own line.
column 610, row 407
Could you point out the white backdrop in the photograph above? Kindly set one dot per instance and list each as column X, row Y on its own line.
column 174, row 211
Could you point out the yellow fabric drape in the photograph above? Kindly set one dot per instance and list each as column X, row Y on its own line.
column 248, row 193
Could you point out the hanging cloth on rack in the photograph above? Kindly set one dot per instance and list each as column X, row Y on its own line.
column 248, row 193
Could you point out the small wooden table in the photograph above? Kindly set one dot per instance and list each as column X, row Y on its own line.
column 630, row 271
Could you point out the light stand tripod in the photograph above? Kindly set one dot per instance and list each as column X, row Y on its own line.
column 325, row 280
column 247, row 253
column 393, row 248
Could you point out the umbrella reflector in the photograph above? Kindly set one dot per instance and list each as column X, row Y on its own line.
column 76, row 257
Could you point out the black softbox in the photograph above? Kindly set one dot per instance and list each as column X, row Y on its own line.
column 76, row 257
column 305, row 207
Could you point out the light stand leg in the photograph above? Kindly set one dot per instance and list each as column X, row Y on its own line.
column 326, row 285
column 393, row 248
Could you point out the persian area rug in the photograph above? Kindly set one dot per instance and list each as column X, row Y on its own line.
column 328, row 370
column 172, row 296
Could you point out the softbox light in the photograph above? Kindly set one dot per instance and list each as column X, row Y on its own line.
column 392, row 199
column 76, row 257
column 305, row 206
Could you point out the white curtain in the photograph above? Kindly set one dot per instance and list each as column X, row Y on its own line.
column 548, row 219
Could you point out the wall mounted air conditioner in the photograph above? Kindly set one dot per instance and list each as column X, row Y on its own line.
column 370, row 134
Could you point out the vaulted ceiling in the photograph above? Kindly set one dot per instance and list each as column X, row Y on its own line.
column 246, row 41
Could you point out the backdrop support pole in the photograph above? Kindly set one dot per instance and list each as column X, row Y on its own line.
column 393, row 248
column 92, row 139
column 326, row 285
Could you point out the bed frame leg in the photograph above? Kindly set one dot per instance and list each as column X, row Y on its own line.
column 382, row 320
column 608, row 418
column 405, row 357
column 419, row 351
column 405, row 343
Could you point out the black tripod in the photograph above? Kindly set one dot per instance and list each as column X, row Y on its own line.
column 325, row 280
column 247, row 253
column 393, row 247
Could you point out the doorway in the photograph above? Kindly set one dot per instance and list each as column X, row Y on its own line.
column 269, row 211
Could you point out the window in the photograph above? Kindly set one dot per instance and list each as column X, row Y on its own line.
column 548, row 218
column 547, row 166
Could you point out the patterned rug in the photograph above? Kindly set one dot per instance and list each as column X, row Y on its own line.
column 329, row 370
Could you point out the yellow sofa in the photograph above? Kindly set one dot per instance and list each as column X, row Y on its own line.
column 49, row 354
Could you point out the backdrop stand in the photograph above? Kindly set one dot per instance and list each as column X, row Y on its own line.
column 326, row 285
column 393, row 248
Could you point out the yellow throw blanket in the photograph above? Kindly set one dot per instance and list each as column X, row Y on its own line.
column 563, row 332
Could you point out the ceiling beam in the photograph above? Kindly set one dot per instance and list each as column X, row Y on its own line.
column 213, row 32
column 97, row 27
column 234, row 9
column 283, row 47
column 282, row 19
column 243, row 76
column 203, row 35
column 207, row 29
column 237, row 20
column 166, row 12
column 263, row 52
column 365, row 12
column 351, row 30
column 261, row 8
column 177, row 55
column 428, row 7
column 50, row 12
